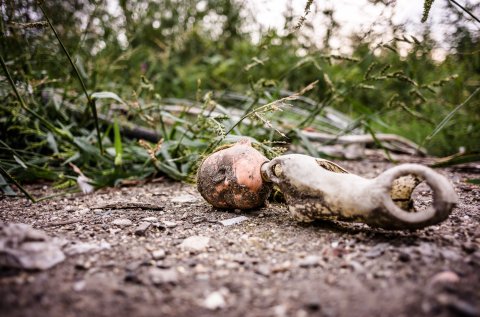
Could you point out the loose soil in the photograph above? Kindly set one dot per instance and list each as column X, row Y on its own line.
column 268, row 265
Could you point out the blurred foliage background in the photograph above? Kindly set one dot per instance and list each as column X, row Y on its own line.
column 190, row 72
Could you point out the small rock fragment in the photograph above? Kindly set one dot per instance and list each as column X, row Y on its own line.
column 83, row 265
column 457, row 306
column 450, row 254
column 169, row 224
column 233, row 221
column 243, row 259
column 162, row 276
column 132, row 277
column 195, row 243
column 69, row 209
column 356, row 266
column 114, row 230
column 376, row 251
column 186, row 198
column 23, row 247
column 158, row 254
column 469, row 247
column 310, row 261
column 280, row 310
column 79, row 286
column 122, row 222
column 214, row 301
column 282, row 267
column 83, row 211
column 425, row 249
column 404, row 257
column 445, row 277
column 311, row 303
column 134, row 265
column 263, row 270
column 150, row 219
column 463, row 308
column 84, row 247
column 142, row 228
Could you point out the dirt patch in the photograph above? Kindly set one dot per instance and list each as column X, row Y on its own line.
column 144, row 263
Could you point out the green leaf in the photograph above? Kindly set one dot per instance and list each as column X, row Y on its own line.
column 52, row 143
column 475, row 181
column 107, row 95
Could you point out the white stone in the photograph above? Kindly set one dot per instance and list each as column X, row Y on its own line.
column 195, row 243
column 169, row 224
column 233, row 221
column 214, row 301
column 186, row 198
column 150, row 219
column 84, row 247
column 161, row 276
column 122, row 222
column 158, row 254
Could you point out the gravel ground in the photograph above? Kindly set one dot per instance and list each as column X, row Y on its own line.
column 160, row 250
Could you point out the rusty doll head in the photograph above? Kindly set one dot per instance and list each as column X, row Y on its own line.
column 231, row 178
column 319, row 189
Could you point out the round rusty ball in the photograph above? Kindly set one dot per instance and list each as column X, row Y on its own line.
column 230, row 178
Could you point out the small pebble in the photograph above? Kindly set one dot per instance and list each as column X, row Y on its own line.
column 79, row 286
column 233, row 221
column 132, row 277
column 457, row 306
column 150, row 219
column 83, row 211
column 122, row 222
column 376, row 251
column 163, row 276
column 69, row 209
column 310, row 261
column 158, row 254
column 169, row 224
column 214, row 301
column 187, row 198
column 463, row 308
column 445, row 277
column 469, row 247
column 142, row 228
column 404, row 257
column 83, row 265
column 263, row 270
column 195, row 243
column 282, row 267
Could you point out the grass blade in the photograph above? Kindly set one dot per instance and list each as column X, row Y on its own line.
column 117, row 141
column 47, row 124
column 465, row 10
column 445, row 120
column 457, row 159
column 20, row 187
column 5, row 188
column 106, row 95
column 91, row 101
column 474, row 181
